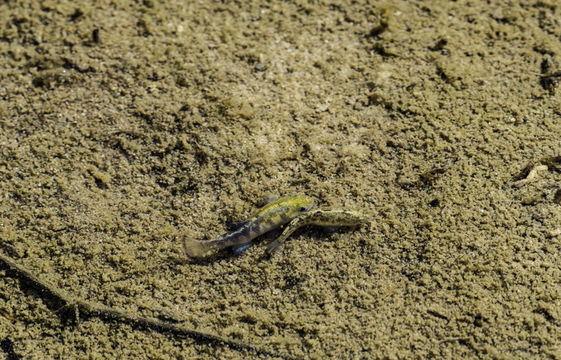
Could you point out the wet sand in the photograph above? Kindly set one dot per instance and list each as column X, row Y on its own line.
column 127, row 125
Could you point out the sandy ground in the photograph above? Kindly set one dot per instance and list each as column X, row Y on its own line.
column 127, row 125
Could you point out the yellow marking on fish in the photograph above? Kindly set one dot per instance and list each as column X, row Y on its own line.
column 269, row 217
column 321, row 217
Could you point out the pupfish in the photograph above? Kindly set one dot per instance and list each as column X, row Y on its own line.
column 269, row 217
column 321, row 217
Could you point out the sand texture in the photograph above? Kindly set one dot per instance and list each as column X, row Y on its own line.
column 126, row 125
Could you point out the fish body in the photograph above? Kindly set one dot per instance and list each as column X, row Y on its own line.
column 320, row 217
column 267, row 218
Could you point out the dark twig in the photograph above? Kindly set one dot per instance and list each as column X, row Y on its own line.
column 87, row 308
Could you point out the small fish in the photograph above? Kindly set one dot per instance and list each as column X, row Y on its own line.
column 269, row 217
column 321, row 217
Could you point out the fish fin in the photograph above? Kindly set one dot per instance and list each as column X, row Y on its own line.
column 236, row 225
column 269, row 198
column 237, row 250
column 266, row 200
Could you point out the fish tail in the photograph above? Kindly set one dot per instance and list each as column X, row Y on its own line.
column 195, row 249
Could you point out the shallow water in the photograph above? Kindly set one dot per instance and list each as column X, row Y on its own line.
column 183, row 117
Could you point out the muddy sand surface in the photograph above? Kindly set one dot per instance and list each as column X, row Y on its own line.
column 126, row 126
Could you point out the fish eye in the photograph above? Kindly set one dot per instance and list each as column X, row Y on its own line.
column 303, row 208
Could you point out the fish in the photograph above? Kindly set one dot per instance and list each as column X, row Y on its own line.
column 267, row 218
column 321, row 217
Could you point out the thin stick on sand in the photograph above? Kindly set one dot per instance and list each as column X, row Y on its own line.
column 531, row 175
column 107, row 313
